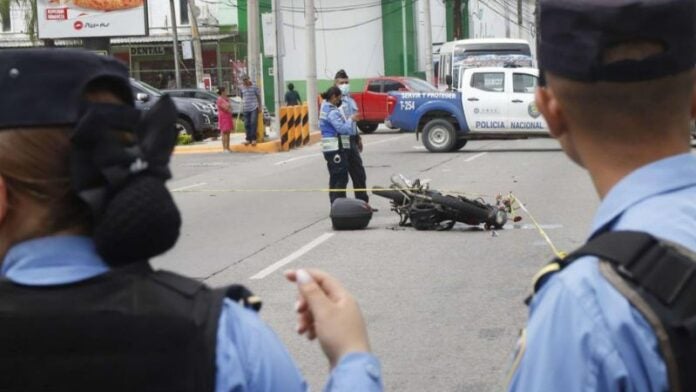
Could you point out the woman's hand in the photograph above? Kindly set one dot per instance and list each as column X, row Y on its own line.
column 328, row 312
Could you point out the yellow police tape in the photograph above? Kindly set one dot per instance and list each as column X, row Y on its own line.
column 556, row 252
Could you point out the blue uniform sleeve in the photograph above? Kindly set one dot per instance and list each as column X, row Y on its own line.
column 340, row 124
column 250, row 357
column 356, row 372
column 567, row 347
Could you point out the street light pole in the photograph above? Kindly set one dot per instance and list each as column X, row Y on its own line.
column 429, row 76
column 196, row 38
column 253, row 40
column 311, row 66
column 175, row 45
column 403, row 36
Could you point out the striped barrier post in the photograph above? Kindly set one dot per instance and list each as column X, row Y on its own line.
column 291, row 127
column 284, row 141
column 305, row 125
column 298, row 126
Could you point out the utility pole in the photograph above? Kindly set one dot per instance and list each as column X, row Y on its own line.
column 428, row 43
column 457, row 19
column 278, row 80
column 196, row 38
column 404, row 40
column 311, row 66
column 253, row 51
column 175, row 45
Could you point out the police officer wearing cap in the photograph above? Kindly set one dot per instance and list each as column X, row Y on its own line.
column 80, row 307
column 336, row 129
column 349, row 108
column 618, row 96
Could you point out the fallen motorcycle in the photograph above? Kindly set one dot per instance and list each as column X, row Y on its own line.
column 427, row 209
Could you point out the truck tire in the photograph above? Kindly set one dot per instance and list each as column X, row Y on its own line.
column 460, row 144
column 184, row 126
column 439, row 136
column 367, row 128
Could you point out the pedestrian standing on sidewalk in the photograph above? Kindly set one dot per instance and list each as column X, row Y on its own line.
column 292, row 97
column 251, row 103
column 224, row 117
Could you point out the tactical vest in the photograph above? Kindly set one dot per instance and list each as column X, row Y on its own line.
column 659, row 279
column 131, row 329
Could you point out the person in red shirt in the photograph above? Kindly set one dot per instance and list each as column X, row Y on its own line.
column 224, row 117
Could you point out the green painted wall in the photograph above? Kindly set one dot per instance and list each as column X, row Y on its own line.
column 392, row 37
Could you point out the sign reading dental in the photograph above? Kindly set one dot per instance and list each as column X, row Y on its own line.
column 91, row 18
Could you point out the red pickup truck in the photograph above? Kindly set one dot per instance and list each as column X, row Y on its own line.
column 374, row 102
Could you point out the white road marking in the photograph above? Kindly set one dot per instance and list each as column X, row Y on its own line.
column 518, row 226
column 183, row 188
column 301, row 157
column 419, row 147
column 292, row 257
column 479, row 155
column 316, row 154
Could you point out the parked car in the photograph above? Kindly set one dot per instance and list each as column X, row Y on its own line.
column 196, row 117
column 235, row 102
column 491, row 103
column 374, row 103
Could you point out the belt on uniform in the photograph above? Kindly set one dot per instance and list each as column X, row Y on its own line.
column 329, row 144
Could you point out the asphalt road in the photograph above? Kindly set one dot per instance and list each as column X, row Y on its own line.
column 443, row 308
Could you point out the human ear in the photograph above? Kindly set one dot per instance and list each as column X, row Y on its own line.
column 552, row 111
column 3, row 200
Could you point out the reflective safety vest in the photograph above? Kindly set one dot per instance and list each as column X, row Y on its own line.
column 329, row 136
column 130, row 329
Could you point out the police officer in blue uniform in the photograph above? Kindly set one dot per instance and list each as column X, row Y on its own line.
column 336, row 130
column 349, row 108
column 618, row 96
column 82, row 310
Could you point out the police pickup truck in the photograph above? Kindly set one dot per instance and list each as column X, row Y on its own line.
column 491, row 103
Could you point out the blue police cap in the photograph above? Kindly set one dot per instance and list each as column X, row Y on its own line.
column 574, row 35
column 45, row 87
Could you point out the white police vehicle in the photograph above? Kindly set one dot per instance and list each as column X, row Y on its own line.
column 491, row 103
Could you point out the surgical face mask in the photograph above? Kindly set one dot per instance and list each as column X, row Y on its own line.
column 345, row 88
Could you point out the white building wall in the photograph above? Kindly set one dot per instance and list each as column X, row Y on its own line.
column 498, row 19
column 348, row 36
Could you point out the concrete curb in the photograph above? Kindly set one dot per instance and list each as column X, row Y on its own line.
column 272, row 146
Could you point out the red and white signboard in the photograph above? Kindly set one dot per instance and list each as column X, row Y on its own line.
column 91, row 18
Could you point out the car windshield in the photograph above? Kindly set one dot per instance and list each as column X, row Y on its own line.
column 419, row 85
column 149, row 89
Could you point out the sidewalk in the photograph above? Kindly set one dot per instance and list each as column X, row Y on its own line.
column 270, row 145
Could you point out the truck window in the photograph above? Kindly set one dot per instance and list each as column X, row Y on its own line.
column 523, row 83
column 489, row 81
column 390, row 85
column 375, row 86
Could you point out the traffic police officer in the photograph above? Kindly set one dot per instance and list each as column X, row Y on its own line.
column 335, row 141
column 349, row 108
column 619, row 97
column 82, row 310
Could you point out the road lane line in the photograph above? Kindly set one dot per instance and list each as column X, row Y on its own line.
column 318, row 154
column 479, row 155
column 183, row 188
column 292, row 257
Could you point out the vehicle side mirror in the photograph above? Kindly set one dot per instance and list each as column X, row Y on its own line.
column 142, row 97
column 448, row 80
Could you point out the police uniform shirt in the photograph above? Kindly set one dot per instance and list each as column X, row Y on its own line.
column 249, row 356
column 582, row 334
column 349, row 108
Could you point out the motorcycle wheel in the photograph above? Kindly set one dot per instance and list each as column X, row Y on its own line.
column 468, row 211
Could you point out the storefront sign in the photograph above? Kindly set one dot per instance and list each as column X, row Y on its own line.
column 91, row 18
column 147, row 51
